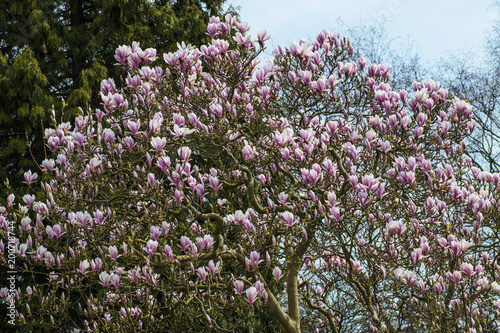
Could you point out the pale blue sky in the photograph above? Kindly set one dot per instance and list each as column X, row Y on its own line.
column 436, row 26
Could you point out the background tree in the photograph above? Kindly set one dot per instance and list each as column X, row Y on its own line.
column 479, row 81
column 53, row 50
column 210, row 185
column 373, row 43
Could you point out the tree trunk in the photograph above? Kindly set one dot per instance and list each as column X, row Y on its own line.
column 77, row 25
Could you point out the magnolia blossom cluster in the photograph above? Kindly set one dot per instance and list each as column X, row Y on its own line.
column 211, row 186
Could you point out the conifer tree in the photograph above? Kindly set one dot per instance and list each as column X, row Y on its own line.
column 60, row 50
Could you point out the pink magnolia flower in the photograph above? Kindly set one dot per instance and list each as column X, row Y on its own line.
column 98, row 217
column 185, row 242
column 151, row 179
column 108, row 135
column 467, row 269
column 193, row 119
column 416, row 256
column 200, row 190
column 362, row 62
column 251, row 294
column 184, row 153
column 329, row 166
column 113, row 252
column 459, row 247
column 22, row 250
column 212, row 29
column 285, row 152
column 29, row 199
column 425, row 248
column 212, row 268
column 394, row 227
column 239, row 285
column 122, row 53
column 115, row 280
column 178, row 194
column 158, row 143
column 151, row 246
column 262, row 36
column 495, row 287
column 214, row 183
column 347, row 68
column 479, row 269
column 54, row 231
column 288, row 218
column 133, row 126
column 105, row 278
column 277, row 273
column 385, row 146
column 254, row 259
column 181, row 131
column 154, row 231
column 202, row 273
column 49, row 259
column 48, row 164
column 164, row 163
column 83, row 218
column 29, row 177
column 282, row 198
column 26, row 224
column 335, row 213
column 305, row 77
column 301, row 49
column 156, row 122
column 53, row 142
column 265, row 92
column 454, row 277
column 94, row 163
column 482, row 284
column 96, row 265
column 248, row 152
column 319, row 86
column 240, row 39
column 84, row 265
column 208, row 241
column 168, row 253
column 260, row 288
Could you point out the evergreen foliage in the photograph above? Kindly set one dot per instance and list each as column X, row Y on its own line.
column 60, row 50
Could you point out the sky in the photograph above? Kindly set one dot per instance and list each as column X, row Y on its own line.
column 437, row 27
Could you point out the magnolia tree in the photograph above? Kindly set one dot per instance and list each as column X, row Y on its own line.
column 211, row 188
